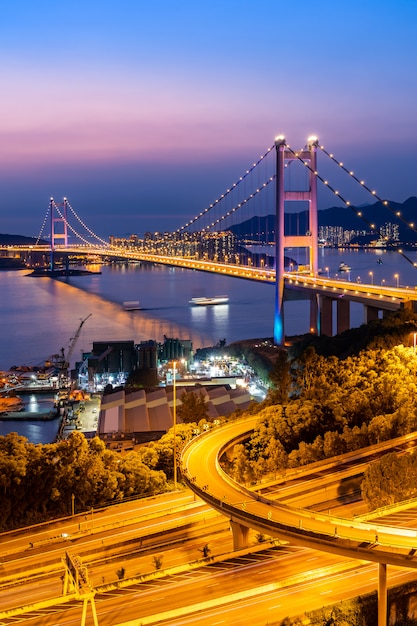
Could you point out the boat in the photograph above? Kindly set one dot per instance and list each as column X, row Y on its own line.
column 202, row 301
column 11, row 403
column 344, row 267
column 131, row 305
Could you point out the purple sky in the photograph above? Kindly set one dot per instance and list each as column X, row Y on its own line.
column 143, row 113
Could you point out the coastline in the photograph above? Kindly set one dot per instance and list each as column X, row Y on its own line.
column 28, row 416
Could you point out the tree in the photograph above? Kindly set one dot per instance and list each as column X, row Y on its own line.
column 280, row 378
column 157, row 561
column 205, row 551
column 193, row 407
column 392, row 479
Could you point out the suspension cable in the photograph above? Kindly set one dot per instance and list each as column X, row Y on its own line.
column 43, row 225
column 242, row 203
column 69, row 225
column 347, row 202
column 211, row 206
column 86, row 227
column 372, row 192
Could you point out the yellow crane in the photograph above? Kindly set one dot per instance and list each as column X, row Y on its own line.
column 64, row 361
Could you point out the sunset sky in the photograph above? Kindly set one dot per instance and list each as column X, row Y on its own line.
column 142, row 113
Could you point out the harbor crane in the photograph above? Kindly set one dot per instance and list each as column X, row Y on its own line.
column 64, row 361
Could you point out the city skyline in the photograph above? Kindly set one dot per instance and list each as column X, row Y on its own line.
column 143, row 115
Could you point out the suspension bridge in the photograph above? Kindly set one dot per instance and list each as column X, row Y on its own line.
column 257, row 204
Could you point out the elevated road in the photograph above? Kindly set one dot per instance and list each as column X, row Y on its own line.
column 247, row 509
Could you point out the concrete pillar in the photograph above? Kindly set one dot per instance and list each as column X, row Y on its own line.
column 314, row 314
column 240, row 535
column 382, row 594
column 279, row 332
column 326, row 316
column 343, row 315
column 313, row 215
column 371, row 313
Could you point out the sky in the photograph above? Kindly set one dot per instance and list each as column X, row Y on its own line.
column 142, row 113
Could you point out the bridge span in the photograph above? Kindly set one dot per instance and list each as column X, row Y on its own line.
column 329, row 298
column 247, row 509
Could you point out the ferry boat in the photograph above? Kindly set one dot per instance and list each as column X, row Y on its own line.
column 213, row 300
column 131, row 305
column 344, row 267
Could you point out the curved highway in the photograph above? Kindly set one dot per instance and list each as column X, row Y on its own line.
column 247, row 509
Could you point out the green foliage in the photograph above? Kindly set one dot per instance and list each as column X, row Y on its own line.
column 157, row 561
column 120, row 573
column 160, row 454
column 392, row 479
column 337, row 405
column 205, row 551
column 280, row 378
column 36, row 481
column 193, row 407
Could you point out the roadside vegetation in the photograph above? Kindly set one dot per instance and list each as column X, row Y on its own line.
column 321, row 403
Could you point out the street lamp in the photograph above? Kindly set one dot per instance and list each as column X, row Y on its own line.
column 371, row 274
column 397, row 277
column 174, row 411
column 328, row 272
column 382, row 281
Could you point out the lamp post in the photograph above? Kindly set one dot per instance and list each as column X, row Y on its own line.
column 371, row 274
column 174, row 411
column 397, row 278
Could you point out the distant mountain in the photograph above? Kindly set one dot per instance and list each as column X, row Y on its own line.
column 19, row 240
column 378, row 214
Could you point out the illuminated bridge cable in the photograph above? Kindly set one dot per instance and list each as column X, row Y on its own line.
column 70, row 227
column 226, row 193
column 43, row 225
column 77, row 234
column 347, row 203
column 240, row 204
column 373, row 193
column 105, row 243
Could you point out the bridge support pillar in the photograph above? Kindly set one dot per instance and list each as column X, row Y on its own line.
column 371, row 314
column 314, row 315
column 326, row 316
column 343, row 315
column 240, row 535
column 382, row 594
column 283, row 240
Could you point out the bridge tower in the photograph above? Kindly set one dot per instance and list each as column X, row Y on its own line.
column 309, row 240
column 62, row 232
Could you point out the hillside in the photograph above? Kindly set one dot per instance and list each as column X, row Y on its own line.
column 297, row 223
column 18, row 240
